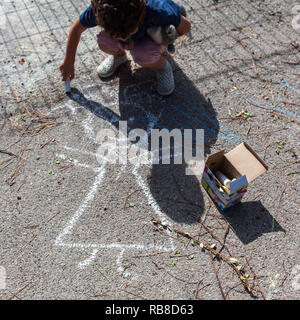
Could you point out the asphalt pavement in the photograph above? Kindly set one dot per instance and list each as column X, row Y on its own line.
column 74, row 228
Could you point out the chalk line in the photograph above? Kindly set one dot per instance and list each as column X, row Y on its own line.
column 285, row 84
column 88, row 153
column 237, row 139
column 94, row 248
column 211, row 131
column 67, row 105
column 121, row 269
column 290, row 114
column 90, row 196
column 89, row 260
column 151, row 200
column 77, row 163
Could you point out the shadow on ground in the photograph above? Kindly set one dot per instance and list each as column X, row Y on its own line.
column 178, row 195
column 250, row 220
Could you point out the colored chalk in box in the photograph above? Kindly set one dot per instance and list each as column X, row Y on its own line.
column 226, row 175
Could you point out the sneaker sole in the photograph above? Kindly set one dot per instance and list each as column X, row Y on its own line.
column 107, row 75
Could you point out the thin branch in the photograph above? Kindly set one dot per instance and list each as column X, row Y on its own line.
column 217, row 276
column 210, row 249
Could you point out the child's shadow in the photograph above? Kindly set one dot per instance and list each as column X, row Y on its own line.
column 178, row 195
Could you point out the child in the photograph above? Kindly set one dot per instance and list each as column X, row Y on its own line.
column 125, row 23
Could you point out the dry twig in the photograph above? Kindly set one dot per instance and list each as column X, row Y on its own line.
column 211, row 250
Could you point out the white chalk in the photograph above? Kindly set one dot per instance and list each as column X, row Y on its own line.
column 68, row 86
column 222, row 178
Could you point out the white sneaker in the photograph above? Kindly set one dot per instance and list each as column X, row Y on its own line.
column 108, row 67
column 165, row 80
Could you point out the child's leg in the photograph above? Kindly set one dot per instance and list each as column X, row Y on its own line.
column 148, row 54
column 157, row 65
column 116, row 56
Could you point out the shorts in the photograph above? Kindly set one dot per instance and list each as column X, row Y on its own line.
column 144, row 51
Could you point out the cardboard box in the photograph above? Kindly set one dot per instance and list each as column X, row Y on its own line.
column 241, row 163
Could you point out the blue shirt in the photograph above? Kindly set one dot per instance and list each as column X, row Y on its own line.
column 158, row 13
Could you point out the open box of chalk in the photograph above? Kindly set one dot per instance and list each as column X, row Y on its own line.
column 226, row 175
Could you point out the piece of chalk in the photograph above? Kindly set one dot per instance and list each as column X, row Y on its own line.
column 67, row 86
column 222, row 178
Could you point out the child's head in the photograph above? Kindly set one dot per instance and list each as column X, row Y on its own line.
column 119, row 18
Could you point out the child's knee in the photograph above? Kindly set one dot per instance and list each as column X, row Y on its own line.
column 107, row 44
column 146, row 53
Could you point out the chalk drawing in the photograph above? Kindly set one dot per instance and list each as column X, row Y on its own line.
column 121, row 269
column 234, row 139
column 285, row 84
column 210, row 131
column 275, row 108
column 288, row 113
column 93, row 249
column 98, row 102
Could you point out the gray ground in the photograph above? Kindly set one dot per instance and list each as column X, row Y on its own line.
column 72, row 229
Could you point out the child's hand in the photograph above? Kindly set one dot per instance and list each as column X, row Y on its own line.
column 184, row 26
column 67, row 71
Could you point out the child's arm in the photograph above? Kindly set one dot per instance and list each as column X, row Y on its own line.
column 184, row 26
column 67, row 67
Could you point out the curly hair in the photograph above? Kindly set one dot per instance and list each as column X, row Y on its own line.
column 119, row 18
